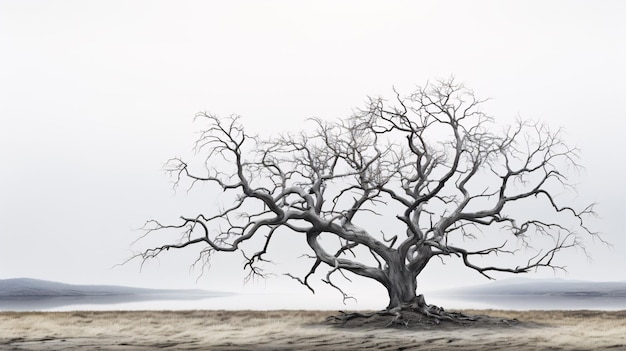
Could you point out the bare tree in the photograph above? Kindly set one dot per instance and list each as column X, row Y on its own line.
column 432, row 162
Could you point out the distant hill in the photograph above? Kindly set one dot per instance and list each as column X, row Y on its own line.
column 25, row 287
column 544, row 287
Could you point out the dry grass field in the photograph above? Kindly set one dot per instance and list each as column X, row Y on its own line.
column 302, row 330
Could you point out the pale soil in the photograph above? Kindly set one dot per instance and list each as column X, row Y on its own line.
column 302, row 330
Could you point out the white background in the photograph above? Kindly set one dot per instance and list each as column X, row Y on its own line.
column 96, row 95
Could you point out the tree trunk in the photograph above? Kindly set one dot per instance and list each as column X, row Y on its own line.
column 401, row 286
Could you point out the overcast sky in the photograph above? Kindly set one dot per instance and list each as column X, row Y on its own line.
column 96, row 95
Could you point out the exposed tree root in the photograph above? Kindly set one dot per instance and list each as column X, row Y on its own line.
column 415, row 315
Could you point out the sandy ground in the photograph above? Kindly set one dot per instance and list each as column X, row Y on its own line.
column 301, row 330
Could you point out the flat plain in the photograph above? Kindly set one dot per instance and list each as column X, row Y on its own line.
column 303, row 330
